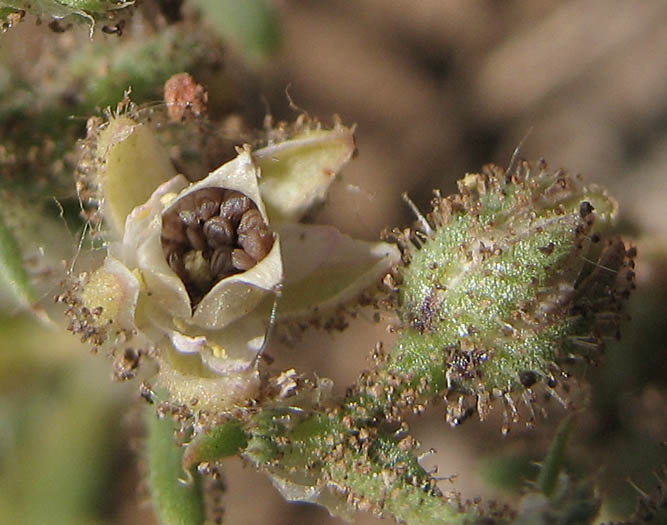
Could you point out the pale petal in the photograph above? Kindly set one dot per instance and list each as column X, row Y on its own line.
column 325, row 268
column 142, row 220
column 239, row 174
column 228, row 351
column 133, row 164
column 187, row 379
column 297, row 173
column 162, row 284
column 238, row 295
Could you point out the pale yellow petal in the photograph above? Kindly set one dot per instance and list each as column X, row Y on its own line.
column 296, row 174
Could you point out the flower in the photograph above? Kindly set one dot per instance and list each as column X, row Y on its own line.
column 192, row 276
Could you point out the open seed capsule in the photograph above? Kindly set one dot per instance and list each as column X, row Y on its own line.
column 223, row 228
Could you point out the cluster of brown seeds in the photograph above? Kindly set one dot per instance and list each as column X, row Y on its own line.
column 210, row 234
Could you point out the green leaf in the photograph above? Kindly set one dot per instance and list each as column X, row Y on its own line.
column 553, row 463
column 14, row 280
column 175, row 503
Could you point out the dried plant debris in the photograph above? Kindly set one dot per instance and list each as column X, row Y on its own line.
column 184, row 97
column 652, row 506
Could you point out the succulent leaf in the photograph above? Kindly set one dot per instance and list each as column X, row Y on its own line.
column 174, row 502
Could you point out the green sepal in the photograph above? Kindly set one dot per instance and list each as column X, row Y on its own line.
column 220, row 442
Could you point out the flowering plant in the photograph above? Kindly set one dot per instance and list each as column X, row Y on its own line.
column 190, row 274
column 204, row 251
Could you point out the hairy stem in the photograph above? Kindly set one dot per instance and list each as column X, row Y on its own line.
column 175, row 503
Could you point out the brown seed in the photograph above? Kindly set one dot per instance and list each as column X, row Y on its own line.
column 196, row 237
column 251, row 220
column 188, row 217
column 219, row 231
column 241, row 260
column 172, row 229
column 221, row 262
column 254, row 236
column 208, row 209
column 256, row 243
column 203, row 225
column 234, row 205
column 207, row 202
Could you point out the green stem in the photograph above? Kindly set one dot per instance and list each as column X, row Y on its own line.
column 175, row 503
column 363, row 466
column 553, row 463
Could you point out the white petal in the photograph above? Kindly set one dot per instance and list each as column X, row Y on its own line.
column 325, row 268
column 232, row 350
column 163, row 286
column 142, row 220
column 297, row 173
column 239, row 174
column 238, row 295
column 186, row 344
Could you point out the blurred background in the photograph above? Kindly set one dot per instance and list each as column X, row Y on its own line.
column 436, row 88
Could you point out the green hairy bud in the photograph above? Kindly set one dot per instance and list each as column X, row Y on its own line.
column 506, row 284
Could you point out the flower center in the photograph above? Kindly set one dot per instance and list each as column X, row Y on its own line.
column 211, row 234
